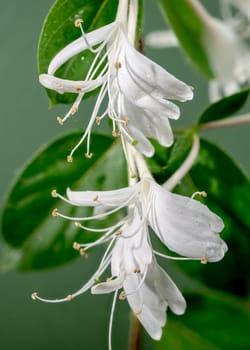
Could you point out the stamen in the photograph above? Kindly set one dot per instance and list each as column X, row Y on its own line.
column 126, row 120
column 198, row 193
column 74, row 109
column 69, row 297
column 88, row 155
column 34, row 296
column 111, row 319
column 78, row 22
column 76, row 246
column 108, row 279
column 55, row 212
column 78, row 88
column 77, row 224
column 118, row 65
column 173, row 257
column 137, row 270
column 69, row 159
column 122, row 296
column 204, row 260
column 95, row 199
column 83, row 253
column 98, row 120
column 60, row 121
column 118, row 233
column 54, row 194
column 137, row 312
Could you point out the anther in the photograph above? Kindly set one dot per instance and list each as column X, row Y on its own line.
column 55, row 212
column 77, row 224
column 204, row 260
column 95, row 199
column 60, row 121
column 54, row 193
column 69, row 297
column 118, row 233
column 108, row 279
column 74, row 109
column 126, row 120
column 78, row 88
column 34, row 295
column 69, row 159
column 98, row 120
column 83, row 253
column 137, row 270
column 76, row 246
column 88, row 155
column 78, row 22
column 122, row 296
column 137, row 312
column 203, row 194
column 118, row 65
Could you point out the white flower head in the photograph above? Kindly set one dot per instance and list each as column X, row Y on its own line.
column 137, row 88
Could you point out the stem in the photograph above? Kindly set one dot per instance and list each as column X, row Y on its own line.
column 185, row 167
column 134, row 333
column 233, row 121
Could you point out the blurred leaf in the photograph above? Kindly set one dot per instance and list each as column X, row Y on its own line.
column 213, row 321
column 188, row 28
column 59, row 30
column 167, row 160
column 224, row 108
column 27, row 224
column 228, row 191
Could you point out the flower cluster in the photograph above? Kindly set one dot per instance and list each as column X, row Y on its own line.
column 138, row 92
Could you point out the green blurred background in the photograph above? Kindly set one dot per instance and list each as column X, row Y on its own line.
column 26, row 125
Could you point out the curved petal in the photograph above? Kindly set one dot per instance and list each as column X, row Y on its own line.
column 108, row 287
column 93, row 38
column 186, row 226
column 63, row 85
column 107, row 198
column 139, row 76
column 131, row 251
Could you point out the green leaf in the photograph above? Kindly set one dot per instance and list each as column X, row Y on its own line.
column 27, row 225
column 224, row 108
column 228, row 195
column 59, row 30
column 213, row 321
column 188, row 28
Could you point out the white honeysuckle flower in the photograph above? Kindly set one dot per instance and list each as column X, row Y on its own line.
column 148, row 300
column 138, row 89
column 242, row 5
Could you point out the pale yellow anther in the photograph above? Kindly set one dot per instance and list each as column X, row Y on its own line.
column 34, row 295
column 126, row 120
column 122, row 296
column 118, row 233
column 78, row 22
column 69, row 159
column 98, row 120
column 76, row 246
column 78, row 88
column 83, row 253
column 108, row 279
column 55, row 212
column 137, row 270
column 204, row 260
column 203, row 194
column 69, row 297
column 118, row 65
column 95, row 199
column 116, row 134
column 60, row 121
column 77, row 224
column 88, row 155
column 74, row 109
column 137, row 312
column 54, row 193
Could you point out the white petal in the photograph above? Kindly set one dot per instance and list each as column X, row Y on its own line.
column 140, row 76
column 63, row 85
column 132, row 250
column 95, row 37
column 108, row 287
column 186, row 226
column 107, row 198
